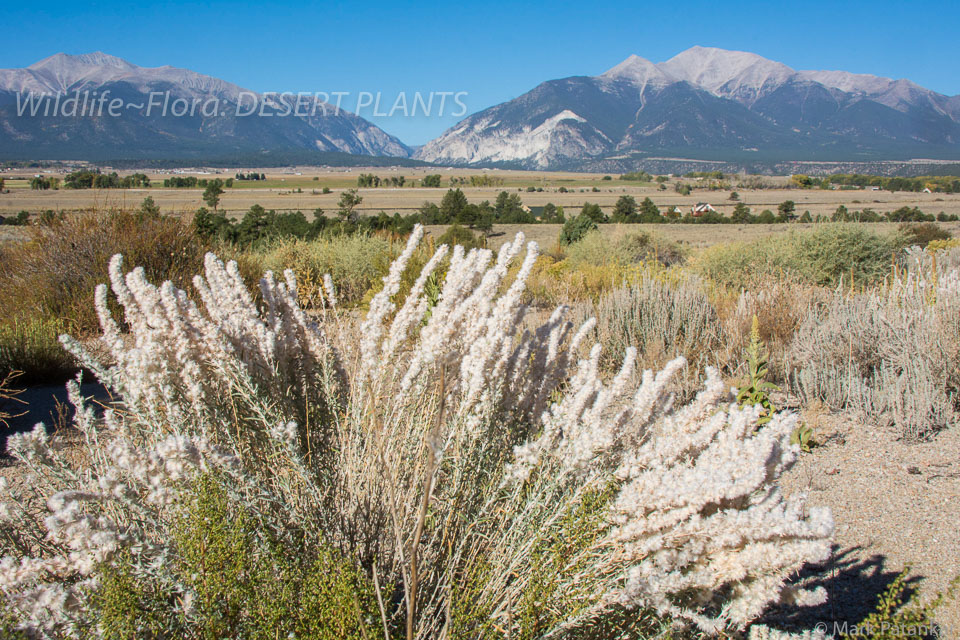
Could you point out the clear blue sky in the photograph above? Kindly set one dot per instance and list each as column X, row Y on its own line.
column 493, row 51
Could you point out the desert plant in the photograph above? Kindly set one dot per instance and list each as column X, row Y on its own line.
column 457, row 234
column 755, row 390
column 449, row 461
column 355, row 262
column 892, row 353
column 602, row 248
column 802, row 437
column 54, row 274
column 923, row 233
column 663, row 319
column 827, row 255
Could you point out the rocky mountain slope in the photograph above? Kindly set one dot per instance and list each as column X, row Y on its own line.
column 165, row 112
column 706, row 103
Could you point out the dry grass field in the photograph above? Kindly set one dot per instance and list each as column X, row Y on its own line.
column 293, row 189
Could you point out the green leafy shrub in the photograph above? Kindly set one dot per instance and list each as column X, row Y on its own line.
column 825, row 255
column 239, row 581
column 356, row 263
column 600, row 248
column 457, row 234
column 895, row 620
column 575, row 229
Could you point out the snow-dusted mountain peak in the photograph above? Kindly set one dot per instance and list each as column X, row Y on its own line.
column 718, row 69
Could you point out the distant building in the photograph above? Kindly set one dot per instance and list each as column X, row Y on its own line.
column 701, row 208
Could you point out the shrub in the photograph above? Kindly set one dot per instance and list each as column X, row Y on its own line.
column 246, row 582
column 448, row 460
column 355, row 262
column 826, row 255
column 460, row 235
column 602, row 247
column 749, row 265
column 663, row 320
column 552, row 282
column 893, row 353
column 852, row 253
column 575, row 229
column 54, row 274
column 923, row 233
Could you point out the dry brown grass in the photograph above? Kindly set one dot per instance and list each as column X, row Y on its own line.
column 53, row 274
column 279, row 192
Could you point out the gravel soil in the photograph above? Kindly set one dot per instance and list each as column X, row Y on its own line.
column 894, row 503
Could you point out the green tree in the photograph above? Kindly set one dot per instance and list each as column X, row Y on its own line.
column 349, row 201
column 149, row 208
column 576, row 228
column 741, row 214
column 766, row 217
column 509, row 209
column 786, row 209
column 430, row 214
column 625, row 210
column 209, row 225
column 484, row 224
column 551, row 213
column 649, row 212
column 594, row 212
column 453, row 205
column 211, row 195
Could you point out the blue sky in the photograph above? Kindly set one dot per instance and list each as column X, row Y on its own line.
column 493, row 51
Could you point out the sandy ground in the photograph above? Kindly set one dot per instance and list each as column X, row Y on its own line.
column 894, row 504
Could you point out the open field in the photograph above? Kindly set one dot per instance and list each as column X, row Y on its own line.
column 280, row 192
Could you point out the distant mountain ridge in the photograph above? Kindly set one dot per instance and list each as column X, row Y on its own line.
column 155, row 135
column 710, row 103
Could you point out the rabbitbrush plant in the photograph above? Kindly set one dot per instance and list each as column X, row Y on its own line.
column 450, row 476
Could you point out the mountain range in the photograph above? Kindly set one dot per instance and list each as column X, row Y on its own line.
column 706, row 103
column 702, row 104
column 157, row 130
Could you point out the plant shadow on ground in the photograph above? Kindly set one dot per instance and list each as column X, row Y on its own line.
column 50, row 405
column 852, row 582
